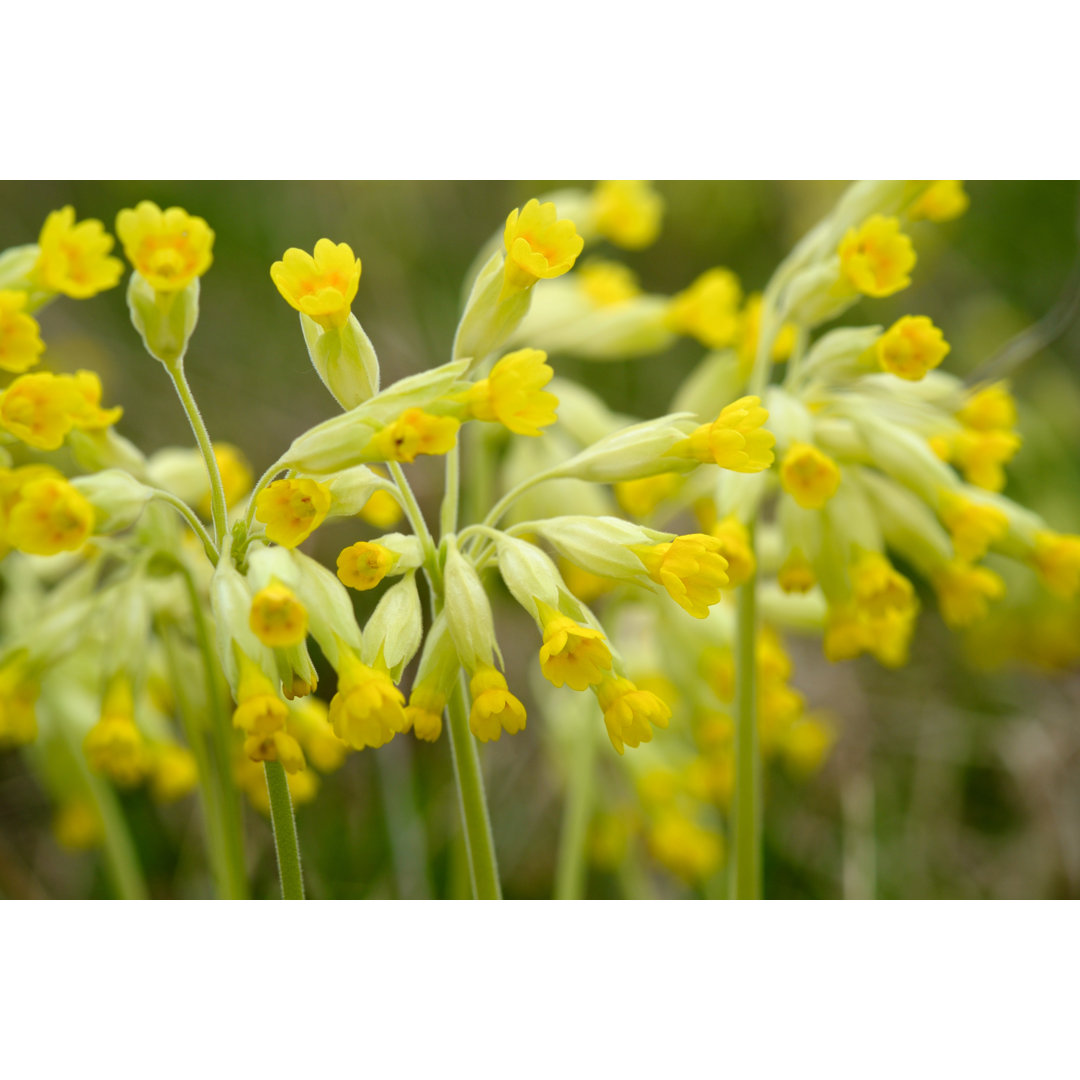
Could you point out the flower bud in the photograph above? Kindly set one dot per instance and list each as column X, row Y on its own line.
column 529, row 574
column 117, row 497
column 468, row 612
column 395, row 628
column 632, row 452
column 344, row 358
column 164, row 320
column 601, row 545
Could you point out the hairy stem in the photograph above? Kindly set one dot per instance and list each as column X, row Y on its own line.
column 285, row 842
column 748, row 796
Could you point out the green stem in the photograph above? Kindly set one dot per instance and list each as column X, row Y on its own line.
column 263, row 481
column 573, row 839
column 285, row 842
column 479, row 843
column 448, row 514
column 192, row 519
column 419, row 525
column 748, row 796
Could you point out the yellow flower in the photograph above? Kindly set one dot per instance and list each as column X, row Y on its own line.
column 259, row 710
column 173, row 773
column 572, row 654
column 849, row 631
column 879, row 588
column 424, row 711
column 943, row 200
column 20, row 336
column 382, row 510
column 114, row 745
column 628, row 712
column 992, row 408
column 734, row 440
column 292, row 510
column 48, row 517
column 77, row 825
column 735, row 548
column 18, row 696
column 368, row 709
column 39, row 408
column 627, row 212
column 1057, row 559
column 750, row 331
column 639, row 498
column 911, row 347
column 877, row 258
column 538, row 245
column 512, row 394
column 980, row 455
column 584, row 584
column 974, row 526
column 691, row 568
column 796, row 575
column 964, row 591
column 169, row 248
column 309, row 722
column 685, row 848
column 415, row 432
column 809, row 476
column 322, row 286
column 278, row 746
column 278, row 619
column 87, row 412
column 606, row 283
column 75, row 258
column 806, row 744
column 709, row 309
column 494, row 709
column 363, row 565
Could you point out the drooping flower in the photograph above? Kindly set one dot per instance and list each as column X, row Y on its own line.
column 627, row 212
column 735, row 440
column 809, row 476
column 278, row 618
column 513, row 393
column 572, row 654
column 630, row 713
column 494, row 709
column 364, row 564
column 691, row 568
column 911, row 347
column 413, row 433
column 708, row 309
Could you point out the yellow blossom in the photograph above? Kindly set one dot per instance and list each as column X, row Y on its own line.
column 639, row 498
column 87, row 412
column 606, row 283
column 538, row 245
column 259, row 710
column 77, row 825
column 735, row 548
column 849, row 632
column 169, row 248
column 572, row 654
column 278, row 619
column 20, row 336
column 943, row 200
column 806, row 744
column 1057, row 559
column 48, row 517
column 382, row 510
column 992, row 408
column 39, row 408
column 796, row 575
column 974, row 526
column 18, row 696
column 709, row 309
column 424, row 711
column 114, row 745
column 629, row 712
column 322, row 286
column 236, row 474
column 363, row 565
column 627, row 212
column 809, row 476
column 879, row 588
column 494, row 709
column 877, row 258
column 173, row 773
column 735, row 440
column 911, row 347
column 309, row 723
column 685, row 848
column 74, row 258
column 980, row 455
column 251, row 779
column 964, row 591
column 691, row 568
column 277, row 746
column 292, row 510
column 368, row 709
column 513, row 393
column 415, row 432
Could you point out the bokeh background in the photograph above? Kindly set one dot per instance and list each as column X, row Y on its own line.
column 956, row 776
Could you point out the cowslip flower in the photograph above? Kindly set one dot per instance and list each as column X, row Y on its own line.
column 74, row 258
column 368, row 709
column 20, row 336
column 173, row 772
column 734, row 541
column 292, row 509
column 796, row 575
column 18, row 696
column 879, row 587
column 639, row 498
column 981, row 455
column 1057, row 559
column 691, row 569
column 943, row 200
column 494, row 709
column 322, row 285
column 169, row 248
column 38, row 408
column 974, row 526
column 277, row 746
column 877, row 258
column 606, row 283
column 629, row 712
column 48, row 517
column 964, row 591
column 278, row 619
column 513, row 393
column 809, row 476
column 573, row 655
column 735, row 440
column 309, row 722
column 413, row 433
column 708, row 309
column 259, row 710
column 993, row 408
column 627, row 212
column 364, row 564
column 424, row 711
column 911, row 347
column 114, row 746
column 684, row 847
column 538, row 245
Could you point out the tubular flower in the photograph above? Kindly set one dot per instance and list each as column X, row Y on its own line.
column 363, row 565
column 627, row 212
column 1057, row 560
column 992, row 408
column 572, row 654
column 735, row 548
column 750, row 331
column 981, row 455
column 278, row 619
column 75, row 258
column 382, row 510
column 691, row 568
column 20, row 336
column 943, row 200
column 735, row 440
column 809, row 476
column 114, row 746
column 964, row 591
column 849, row 632
column 169, row 248
column 278, row 746
column 709, row 309
column 911, row 347
column 368, row 708
column 49, row 516
column 796, row 575
column 259, row 710
column 607, row 283
column 18, row 696
column 880, row 589
column 321, row 286
column 415, row 432
column 877, row 258
column 628, row 712
column 424, row 711
column 513, row 393
column 974, row 526
column 538, row 245
column 494, row 709
column 292, row 510
column 639, row 498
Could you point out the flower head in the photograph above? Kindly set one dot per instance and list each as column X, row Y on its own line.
column 413, row 433
column 292, row 509
column 809, row 476
column 278, row 619
column 494, row 709
column 629, row 712
column 980, row 455
column 363, row 565
column 173, row 771
column 49, row 516
column 877, row 258
column 18, row 695
column 513, row 393
column 368, row 709
column 911, row 347
column 627, row 212
column 606, row 283
column 974, row 526
column 734, row 540
column 321, row 286
column 538, row 245
column 114, row 746
column 964, row 591
column 424, row 711
column 735, row 440
column 38, row 408
column 74, row 258
column 943, row 200
column 993, row 408
column 709, row 309
column 259, row 710
column 1057, row 559
column 169, row 248
column 572, row 654
column 691, row 568
column 20, row 336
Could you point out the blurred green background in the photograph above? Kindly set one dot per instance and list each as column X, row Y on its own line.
column 948, row 780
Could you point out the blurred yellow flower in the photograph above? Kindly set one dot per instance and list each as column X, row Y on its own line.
column 74, row 258
column 627, row 212
column 20, row 336
column 877, row 258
